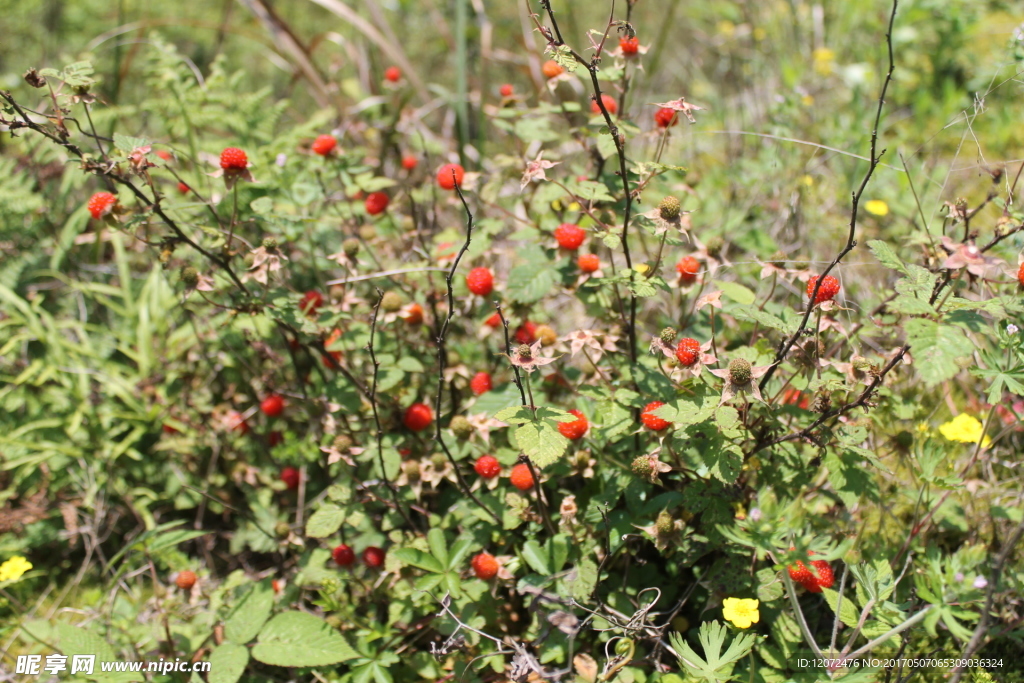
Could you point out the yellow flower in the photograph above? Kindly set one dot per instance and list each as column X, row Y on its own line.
column 807, row 180
column 760, row 33
column 965, row 429
column 741, row 611
column 12, row 569
column 823, row 60
column 877, row 207
column 807, row 100
column 727, row 28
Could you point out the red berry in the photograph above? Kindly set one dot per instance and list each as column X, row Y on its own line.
column 332, row 338
column 480, row 281
column 485, row 566
column 324, row 145
column 487, row 466
column 393, row 74
column 506, row 90
column 409, row 162
column 183, row 188
column 101, row 203
column 343, row 555
column 272, row 405
column 552, row 69
column 688, row 351
column 688, row 267
column 609, row 103
column 185, row 580
column 376, row 202
column 413, row 314
column 666, row 117
column 290, row 477
column 444, row 176
column 576, row 429
column 629, row 46
column 373, row 556
column 800, row 573
column 825, row 577
column 1020, row 275
column 588, row 263
column 811, row 586
column 236, row 422
column 418, row 417
column 164, row 154
column 829, row 288
column 652, row 421
column 481, row 383
column 311, row 302
column 275, row 438
column 494, row 320
column 168, row 429
column 795, row 397
column 233, row 159
column 570, row 236
column 527, row 333
column 521, row 477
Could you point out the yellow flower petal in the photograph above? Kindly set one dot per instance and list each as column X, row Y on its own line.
column 742, row 612
column 12, row 569
column 965, row 428
column 877, row 207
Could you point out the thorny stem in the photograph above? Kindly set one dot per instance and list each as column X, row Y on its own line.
column 508, row 352
column 442, row 359
column 851, row 241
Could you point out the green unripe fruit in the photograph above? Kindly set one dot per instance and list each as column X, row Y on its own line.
column 739, row 371
column 462, row 427
column 391, row 302
column 190, row 276
column 350, row 247
column 670, row 208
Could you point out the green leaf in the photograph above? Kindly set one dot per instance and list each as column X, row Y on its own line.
column 586, row 578
column 325, row 521
column 420, row 559
column 228, row 662
column 714, row 665
column 438, row 546
column 79, row 640
column 514, row 415
column 531, row 281
column 541, row 442
column 300, row 639
column 263, row 205
column 935, row 348
column 127, row 144
column 735, row 291
column 847, row 612
column 886, row 256
column 249, row 615
column 536, row 557
column 763, row 317
column 769, row 585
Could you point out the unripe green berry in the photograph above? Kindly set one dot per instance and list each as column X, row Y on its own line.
column 270, row 243
column 525, row 353
column 462, row 427
column 438, row 460
column 670, row 208
column 668, row 335
column 282, row 529
column 714, row 246
column 391, row 302
column 641, row 466
column 411, row 469
column 342, row 442
column 739, row 371
column 190, row 276
column 350, row 247
column 664, row 524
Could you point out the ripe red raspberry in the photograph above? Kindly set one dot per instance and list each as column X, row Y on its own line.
column 1020, row 275
column 393, row 74
column 418, row 417
column 487, row 466
column 829, row 288
column 652, row 421
column 324, row 145
column 570, row 236
column 506, row 90
column 236, row 422
column 481, row 383
column 183, row 188
column 275, row 438
column 521, row 477
column 101, row 204
column 332, row 339
column 527, row 333
column 185, row 580
column 795, row 397
column 272, row 405
column 629, row 46
column 413, row 314
column 311, row 302
column 588, row 263
column 811, row 586
column 688, row 351
column 233, row 159
column 552, row 69
column 688, row 268
column 444, row 176
column 576, row 429
column 373, row 556
column 666, row 117
column 290, row 477
column 343, row 555
column 825, row 577
column 493, row 321
column 480, row 281
column 376, row 202
column 410, row 162
column 485, row 566
column 164, row 154
column 609, row 103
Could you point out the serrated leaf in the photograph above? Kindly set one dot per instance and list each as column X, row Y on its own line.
column 936, row 348
column 325, row 521
column 847, row 612
column 514, row 415
column 586, row 578
column 736, row 292
column 296, row 639
column 541, row 442
column 769, row 585
column 248, row 616
column 227, row 662
column 763, row 317
column 438, row 545
column 886, row 256
column 536, row 557
column 417, row 558
column 80, row 640
column 127, row 144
